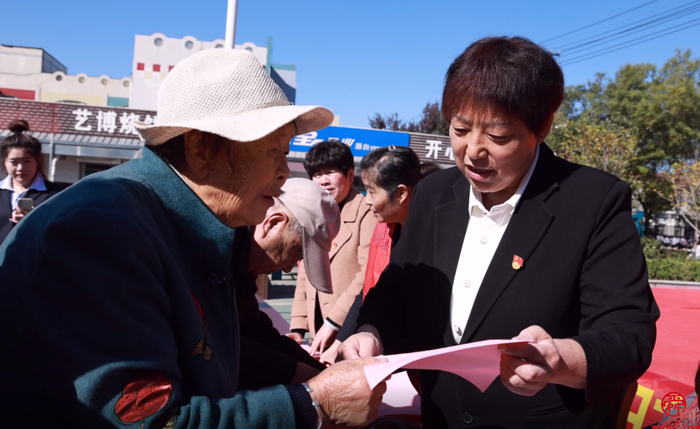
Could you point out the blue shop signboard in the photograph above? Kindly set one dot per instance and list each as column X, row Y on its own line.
column 361, row 141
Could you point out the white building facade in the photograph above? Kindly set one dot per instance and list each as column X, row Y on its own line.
column 156, row 55
column 33, row 74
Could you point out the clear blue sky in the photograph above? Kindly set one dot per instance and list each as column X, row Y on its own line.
column 355, row 57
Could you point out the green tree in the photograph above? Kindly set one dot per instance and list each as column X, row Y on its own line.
column 431, row 122
column 654, row 113
column 392, row 123
column 611, row 150
column 684, row 178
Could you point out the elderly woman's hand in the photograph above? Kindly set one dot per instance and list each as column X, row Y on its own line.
column 528, row 368
column 18, row 214
column 344, row 395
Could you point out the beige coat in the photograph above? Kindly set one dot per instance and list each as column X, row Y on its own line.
column 348, row 256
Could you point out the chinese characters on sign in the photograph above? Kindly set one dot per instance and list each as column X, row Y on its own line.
column 361, row 141
column 81, row 116
column 111, row 123
column 107, row 121
column 673, row 404
column 434, row 148
column 310, row 139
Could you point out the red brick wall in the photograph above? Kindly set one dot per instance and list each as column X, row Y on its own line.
column 39, row 115
column 59, row 117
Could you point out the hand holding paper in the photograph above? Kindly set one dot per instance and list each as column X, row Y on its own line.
column 343, row 395
column 477, row 362
column 365, row 343
column 527, row 369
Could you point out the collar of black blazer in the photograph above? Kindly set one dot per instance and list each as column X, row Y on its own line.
column 542, row 183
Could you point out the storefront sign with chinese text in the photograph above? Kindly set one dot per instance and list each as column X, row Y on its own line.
column 68, row 118
column 361, row 141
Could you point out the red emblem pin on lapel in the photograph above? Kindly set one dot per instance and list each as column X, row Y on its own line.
column 517, row 262
column 335, row 245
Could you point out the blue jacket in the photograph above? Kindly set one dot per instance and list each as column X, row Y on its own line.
column 118, row 309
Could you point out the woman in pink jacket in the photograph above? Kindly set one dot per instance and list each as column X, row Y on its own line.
column 389, row 175
column 331, row 166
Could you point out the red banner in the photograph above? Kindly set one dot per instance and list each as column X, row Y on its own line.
column 647, row 407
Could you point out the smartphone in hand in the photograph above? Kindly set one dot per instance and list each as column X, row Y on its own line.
column 25, row 203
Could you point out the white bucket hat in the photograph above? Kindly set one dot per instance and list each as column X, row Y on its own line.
column 226, row 92
column 319, row 215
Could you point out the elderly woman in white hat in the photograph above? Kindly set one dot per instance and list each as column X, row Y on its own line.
column 118, row 295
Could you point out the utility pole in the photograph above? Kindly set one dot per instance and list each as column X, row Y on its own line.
column 231, row 13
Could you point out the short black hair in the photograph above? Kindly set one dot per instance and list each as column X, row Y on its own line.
column 327, row 155
column 428, row 168
column 389, row 167
column 511, row 75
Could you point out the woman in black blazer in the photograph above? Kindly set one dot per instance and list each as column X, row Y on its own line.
column 21, row 156
column 515, row 242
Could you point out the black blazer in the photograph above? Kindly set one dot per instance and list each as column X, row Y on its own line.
column 584, row 277
column 6, row 205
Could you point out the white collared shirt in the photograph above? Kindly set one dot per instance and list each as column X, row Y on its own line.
column 37, row 184
column 484, row 233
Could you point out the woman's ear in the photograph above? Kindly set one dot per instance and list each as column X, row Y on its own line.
column 198, row 153
column 402, row 193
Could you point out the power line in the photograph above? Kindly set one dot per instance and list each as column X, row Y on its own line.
column 633, row 20
column 598, row 22
column 632, row 30
column 635, row 31
column 635, row 27
column 629, row 43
